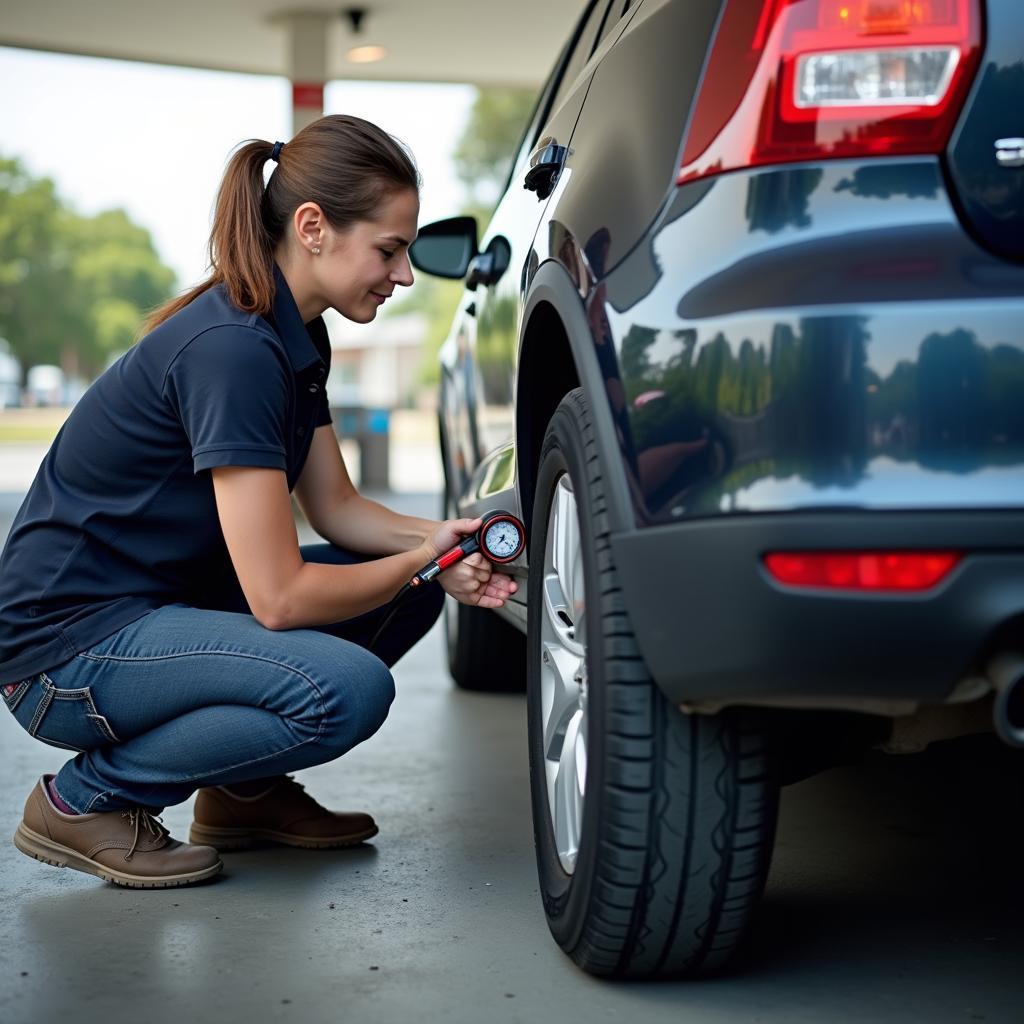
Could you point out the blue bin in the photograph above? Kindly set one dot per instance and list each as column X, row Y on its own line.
column 370, row 429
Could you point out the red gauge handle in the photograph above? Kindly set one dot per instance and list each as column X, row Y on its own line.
column 475, row 543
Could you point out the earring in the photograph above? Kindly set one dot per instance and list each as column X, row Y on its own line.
column 316, row 250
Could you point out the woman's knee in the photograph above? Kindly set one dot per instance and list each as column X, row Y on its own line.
column 376, row 695
column 357, row 698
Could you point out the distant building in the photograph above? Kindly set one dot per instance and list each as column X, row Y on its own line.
column 375, row 364
column 46, row 385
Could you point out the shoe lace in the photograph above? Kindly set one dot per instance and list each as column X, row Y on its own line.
column 300, row 798
column 141, row 819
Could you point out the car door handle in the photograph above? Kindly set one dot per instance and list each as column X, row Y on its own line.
column 545, row 163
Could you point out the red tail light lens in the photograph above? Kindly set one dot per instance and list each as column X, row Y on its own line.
column 862, row 570
column 791, row 80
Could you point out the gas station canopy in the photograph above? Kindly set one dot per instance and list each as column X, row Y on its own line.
column 485, row 42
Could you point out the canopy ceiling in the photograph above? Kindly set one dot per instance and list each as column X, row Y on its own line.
column 486, row 42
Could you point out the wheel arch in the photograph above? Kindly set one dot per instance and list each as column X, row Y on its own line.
column 556, row 355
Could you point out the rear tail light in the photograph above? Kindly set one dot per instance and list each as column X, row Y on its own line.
column 791, row 80
column 861, row 570
column 873, row 78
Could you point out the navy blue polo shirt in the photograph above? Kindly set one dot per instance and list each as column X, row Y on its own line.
column 121, row 517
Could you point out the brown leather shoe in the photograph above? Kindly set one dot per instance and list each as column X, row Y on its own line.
column 129, row 848
column 284, row 813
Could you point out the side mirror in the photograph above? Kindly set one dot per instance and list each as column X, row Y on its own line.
column 445, row 248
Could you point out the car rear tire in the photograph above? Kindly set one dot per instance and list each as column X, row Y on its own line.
column 485, row 653
column 672, row 815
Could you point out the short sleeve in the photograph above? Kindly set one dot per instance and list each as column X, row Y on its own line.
column 230, row 387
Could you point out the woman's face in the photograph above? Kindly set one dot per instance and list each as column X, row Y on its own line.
column 359, row 268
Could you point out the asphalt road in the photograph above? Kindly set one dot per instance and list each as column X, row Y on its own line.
column 895, row 896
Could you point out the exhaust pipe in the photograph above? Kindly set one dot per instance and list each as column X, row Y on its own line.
column 1006, row 673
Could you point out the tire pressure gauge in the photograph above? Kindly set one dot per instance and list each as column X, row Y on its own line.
column 500, row 540
column 501, row 537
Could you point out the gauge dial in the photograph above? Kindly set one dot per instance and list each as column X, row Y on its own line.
column 502, row 539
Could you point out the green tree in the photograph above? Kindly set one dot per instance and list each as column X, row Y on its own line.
column 36, row 281
column 73, row 289
column 119, row 278
column 484, row 153
column 483, row 157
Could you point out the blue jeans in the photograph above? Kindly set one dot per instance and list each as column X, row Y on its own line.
column 185, row 697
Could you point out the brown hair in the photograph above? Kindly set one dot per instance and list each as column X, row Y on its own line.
column 346, row 165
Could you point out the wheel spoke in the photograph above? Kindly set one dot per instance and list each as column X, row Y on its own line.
column 558, row 622
column 560, row 695
column 566, row 553
column 569, row 785
column 563, row 571
column 579, row 603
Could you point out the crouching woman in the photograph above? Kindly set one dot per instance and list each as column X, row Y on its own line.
column 157, row 614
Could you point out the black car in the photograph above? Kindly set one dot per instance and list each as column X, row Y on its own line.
column 743, row 345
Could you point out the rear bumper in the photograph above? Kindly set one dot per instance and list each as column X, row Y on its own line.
column 714, row 628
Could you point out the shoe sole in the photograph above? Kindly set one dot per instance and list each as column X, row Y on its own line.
column 46, row 850
column 243, row 838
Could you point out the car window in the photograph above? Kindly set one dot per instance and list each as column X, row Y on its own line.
column 586, row 40
column 570, row 62
column 533, row 125
column 615, row 14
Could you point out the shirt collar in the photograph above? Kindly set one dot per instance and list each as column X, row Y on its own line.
column 297, row 337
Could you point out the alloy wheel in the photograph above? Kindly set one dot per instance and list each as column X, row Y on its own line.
column 564, row 673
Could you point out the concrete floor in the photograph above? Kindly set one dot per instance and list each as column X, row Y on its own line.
column 895, row 895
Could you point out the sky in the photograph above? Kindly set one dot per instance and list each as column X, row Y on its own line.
column 154, row 139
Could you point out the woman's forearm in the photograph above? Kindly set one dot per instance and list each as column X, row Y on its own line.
column 362, row 525
column 319, row 594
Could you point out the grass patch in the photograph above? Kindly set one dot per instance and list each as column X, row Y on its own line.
column 31, row 426
column 25, row 434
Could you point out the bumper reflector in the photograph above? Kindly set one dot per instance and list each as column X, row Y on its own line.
column 900, row 571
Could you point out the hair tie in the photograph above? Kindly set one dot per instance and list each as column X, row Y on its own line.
column 276, row 151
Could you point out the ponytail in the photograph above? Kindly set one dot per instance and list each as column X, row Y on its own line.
column 344, row 164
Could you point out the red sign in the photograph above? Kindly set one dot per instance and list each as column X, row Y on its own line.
column 308, row 94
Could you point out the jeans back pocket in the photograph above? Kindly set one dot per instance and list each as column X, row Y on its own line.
column 14, row 693
column 67, row 718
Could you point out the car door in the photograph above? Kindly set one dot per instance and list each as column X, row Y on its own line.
column 478, row 359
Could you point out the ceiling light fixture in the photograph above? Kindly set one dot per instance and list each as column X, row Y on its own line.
column 367, row 53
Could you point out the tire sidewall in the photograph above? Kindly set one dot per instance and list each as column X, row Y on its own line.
column 566, row 897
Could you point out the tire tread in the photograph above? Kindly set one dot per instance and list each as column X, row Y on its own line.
column 682, row 858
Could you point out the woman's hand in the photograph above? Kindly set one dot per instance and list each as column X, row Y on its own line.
column 472, row 580
column 448, row 534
